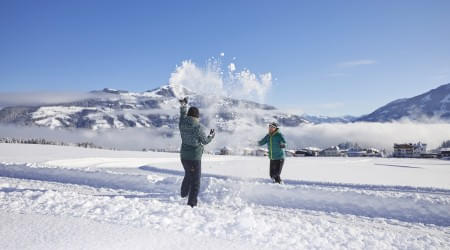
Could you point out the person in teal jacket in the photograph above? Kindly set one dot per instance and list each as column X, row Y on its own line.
column 276, row 144
column 193, row 138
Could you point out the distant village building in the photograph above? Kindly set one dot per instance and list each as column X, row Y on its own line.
column 445, row 153
column 331, row 151
column 368, row 152
column 248, row 151
column 373, row 152
column 253, row 151
column 226, row 151
column 290, row 153
column 429, row 155
column 409, row 150
column 356, row 152
column 310, row 151
column 403, row 150
column 300, row 153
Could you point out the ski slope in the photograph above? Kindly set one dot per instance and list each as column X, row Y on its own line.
column 73, row 198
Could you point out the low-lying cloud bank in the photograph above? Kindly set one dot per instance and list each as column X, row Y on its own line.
column 125, row 139
column 44, row 98
column 379, row 135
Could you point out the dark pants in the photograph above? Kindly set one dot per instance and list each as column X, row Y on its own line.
column 275, row 170
column 191, row 181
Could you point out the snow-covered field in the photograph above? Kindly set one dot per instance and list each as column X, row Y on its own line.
column 54, row 197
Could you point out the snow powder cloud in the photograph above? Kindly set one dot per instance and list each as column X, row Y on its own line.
column 212, row 80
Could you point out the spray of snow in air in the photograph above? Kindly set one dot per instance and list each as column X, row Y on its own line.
column 216, row 80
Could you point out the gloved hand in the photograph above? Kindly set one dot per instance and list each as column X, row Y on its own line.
column 212, row 133
column 282, row 145
column 183, row 101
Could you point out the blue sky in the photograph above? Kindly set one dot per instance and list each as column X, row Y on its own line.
column 328, row 57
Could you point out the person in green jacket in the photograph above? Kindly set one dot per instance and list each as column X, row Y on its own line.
column 193, row 138
column 276, row 144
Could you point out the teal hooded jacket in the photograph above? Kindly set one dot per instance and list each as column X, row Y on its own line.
column 275, row 144
column 193, row 136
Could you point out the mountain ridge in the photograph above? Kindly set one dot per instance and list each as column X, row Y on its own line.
column 158, row 108
column 433, row 104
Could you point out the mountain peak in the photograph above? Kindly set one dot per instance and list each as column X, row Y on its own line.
column 433, row 104
column 172, row 91
column 113, row 91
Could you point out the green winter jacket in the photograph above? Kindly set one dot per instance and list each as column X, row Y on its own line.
column 274, row 142
column 193, row 136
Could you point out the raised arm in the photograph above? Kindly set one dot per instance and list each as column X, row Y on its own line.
column 264, row 140
column 183, row 109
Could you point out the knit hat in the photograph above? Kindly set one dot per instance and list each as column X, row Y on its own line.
column 273, row 125
column 193, row 111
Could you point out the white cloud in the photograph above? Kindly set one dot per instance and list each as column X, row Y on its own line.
column 42, row 98
column 355, row 63
column 129, row 139
column 380, row 135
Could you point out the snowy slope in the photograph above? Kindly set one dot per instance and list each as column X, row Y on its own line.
column 330, row 203
column 432, row 104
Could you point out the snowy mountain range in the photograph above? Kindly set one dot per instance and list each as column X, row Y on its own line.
column 432, row 104
column 110, row 108
column 158, row 108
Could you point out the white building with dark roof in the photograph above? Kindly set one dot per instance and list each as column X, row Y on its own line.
column 331, row 151
column 409, row 150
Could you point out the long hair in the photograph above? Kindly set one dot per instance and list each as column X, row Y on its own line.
column 194, row 112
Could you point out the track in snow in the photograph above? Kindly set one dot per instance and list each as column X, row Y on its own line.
column 408, row 204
